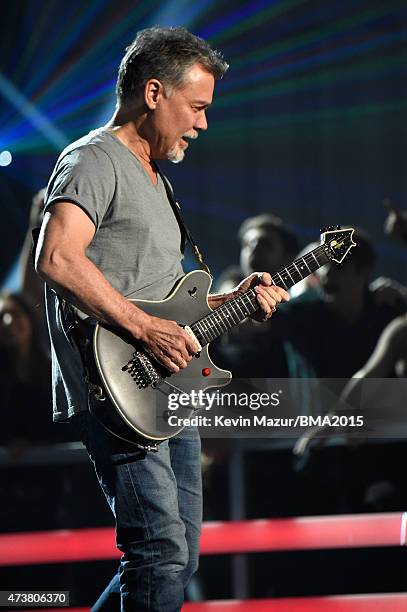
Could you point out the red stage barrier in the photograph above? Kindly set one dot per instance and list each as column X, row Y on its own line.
column 348, row 531
column 347, row 603
column 392, row 602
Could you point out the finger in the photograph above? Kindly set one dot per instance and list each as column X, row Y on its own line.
column 179, row 361
column 272, row 289
column 265, row 279
column 181, row 347
column 265, row 306
column 191, row 346
column 170, row 358
column 168, row 363
column 282, row 293
column 182, row 352
column 272, row 296
column 285, row 296
column 177, row 358
column 275, row 295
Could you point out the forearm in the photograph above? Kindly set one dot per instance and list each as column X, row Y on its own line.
column 77, row 279
column 217, row 299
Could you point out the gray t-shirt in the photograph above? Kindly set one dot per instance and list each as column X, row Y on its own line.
column 137, row 244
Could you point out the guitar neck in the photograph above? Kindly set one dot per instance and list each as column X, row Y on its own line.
column 234, row 311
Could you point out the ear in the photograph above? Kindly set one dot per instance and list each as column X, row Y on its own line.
column 153, row 91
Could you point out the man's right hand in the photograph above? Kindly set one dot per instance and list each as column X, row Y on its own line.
column 168, row 343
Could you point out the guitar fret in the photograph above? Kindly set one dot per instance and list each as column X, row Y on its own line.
column 312, row 253
column 248, row 306
column 211, row 330
column 228, row 320
column 221, row 322
column 295, row 266
column 282, row 280
column 231, row 306
column 319, row 254
column 227, row 317
column 203, row 330
column 197, row 329
column 237, row 304
column 197, row 332
column 213, row 321
column 253, row 302
column 291, row 278
column 243, row 306
column 305, row 261
column 207, row 333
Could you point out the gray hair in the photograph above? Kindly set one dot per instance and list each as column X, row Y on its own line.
column 165, row 54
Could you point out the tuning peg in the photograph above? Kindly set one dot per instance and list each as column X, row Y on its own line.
column 338, row 227
column 322, row 230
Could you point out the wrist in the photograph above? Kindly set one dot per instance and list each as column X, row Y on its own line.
column 140, row 321
column 217, row 299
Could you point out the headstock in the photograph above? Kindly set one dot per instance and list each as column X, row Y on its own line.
column 337, row 242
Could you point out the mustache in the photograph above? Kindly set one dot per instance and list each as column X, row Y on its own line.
column 192, row 135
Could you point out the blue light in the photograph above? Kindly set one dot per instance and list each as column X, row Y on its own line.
column 5, row 158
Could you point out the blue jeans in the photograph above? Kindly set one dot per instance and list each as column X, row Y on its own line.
column 156, row 499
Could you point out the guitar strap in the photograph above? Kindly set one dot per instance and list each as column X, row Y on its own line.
column 184, row 229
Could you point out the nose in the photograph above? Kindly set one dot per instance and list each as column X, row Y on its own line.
column 201, row 122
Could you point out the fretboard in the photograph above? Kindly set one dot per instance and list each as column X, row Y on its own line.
column 234, row 311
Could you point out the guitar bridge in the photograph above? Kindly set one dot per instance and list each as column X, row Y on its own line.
column 142, row 370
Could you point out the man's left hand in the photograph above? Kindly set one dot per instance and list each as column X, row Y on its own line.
column 268, row 296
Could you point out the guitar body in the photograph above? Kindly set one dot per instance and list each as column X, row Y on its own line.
column 143, row 395
column 142, row 411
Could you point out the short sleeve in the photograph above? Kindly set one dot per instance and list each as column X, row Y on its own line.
column 86, row 177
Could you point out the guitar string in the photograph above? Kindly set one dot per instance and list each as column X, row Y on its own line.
column 224, row 312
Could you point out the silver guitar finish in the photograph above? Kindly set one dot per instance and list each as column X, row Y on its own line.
column 139, row 388
column 143, row 410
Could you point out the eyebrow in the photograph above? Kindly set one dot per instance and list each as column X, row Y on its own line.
column 201, row 103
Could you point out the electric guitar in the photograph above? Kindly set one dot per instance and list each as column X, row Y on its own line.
column 139, row 388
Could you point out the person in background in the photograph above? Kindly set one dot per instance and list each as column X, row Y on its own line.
column 389, row 356
column 24, row 376
column 333, row 335
column 395, row 224
column 266, row 243
column 31, row 285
